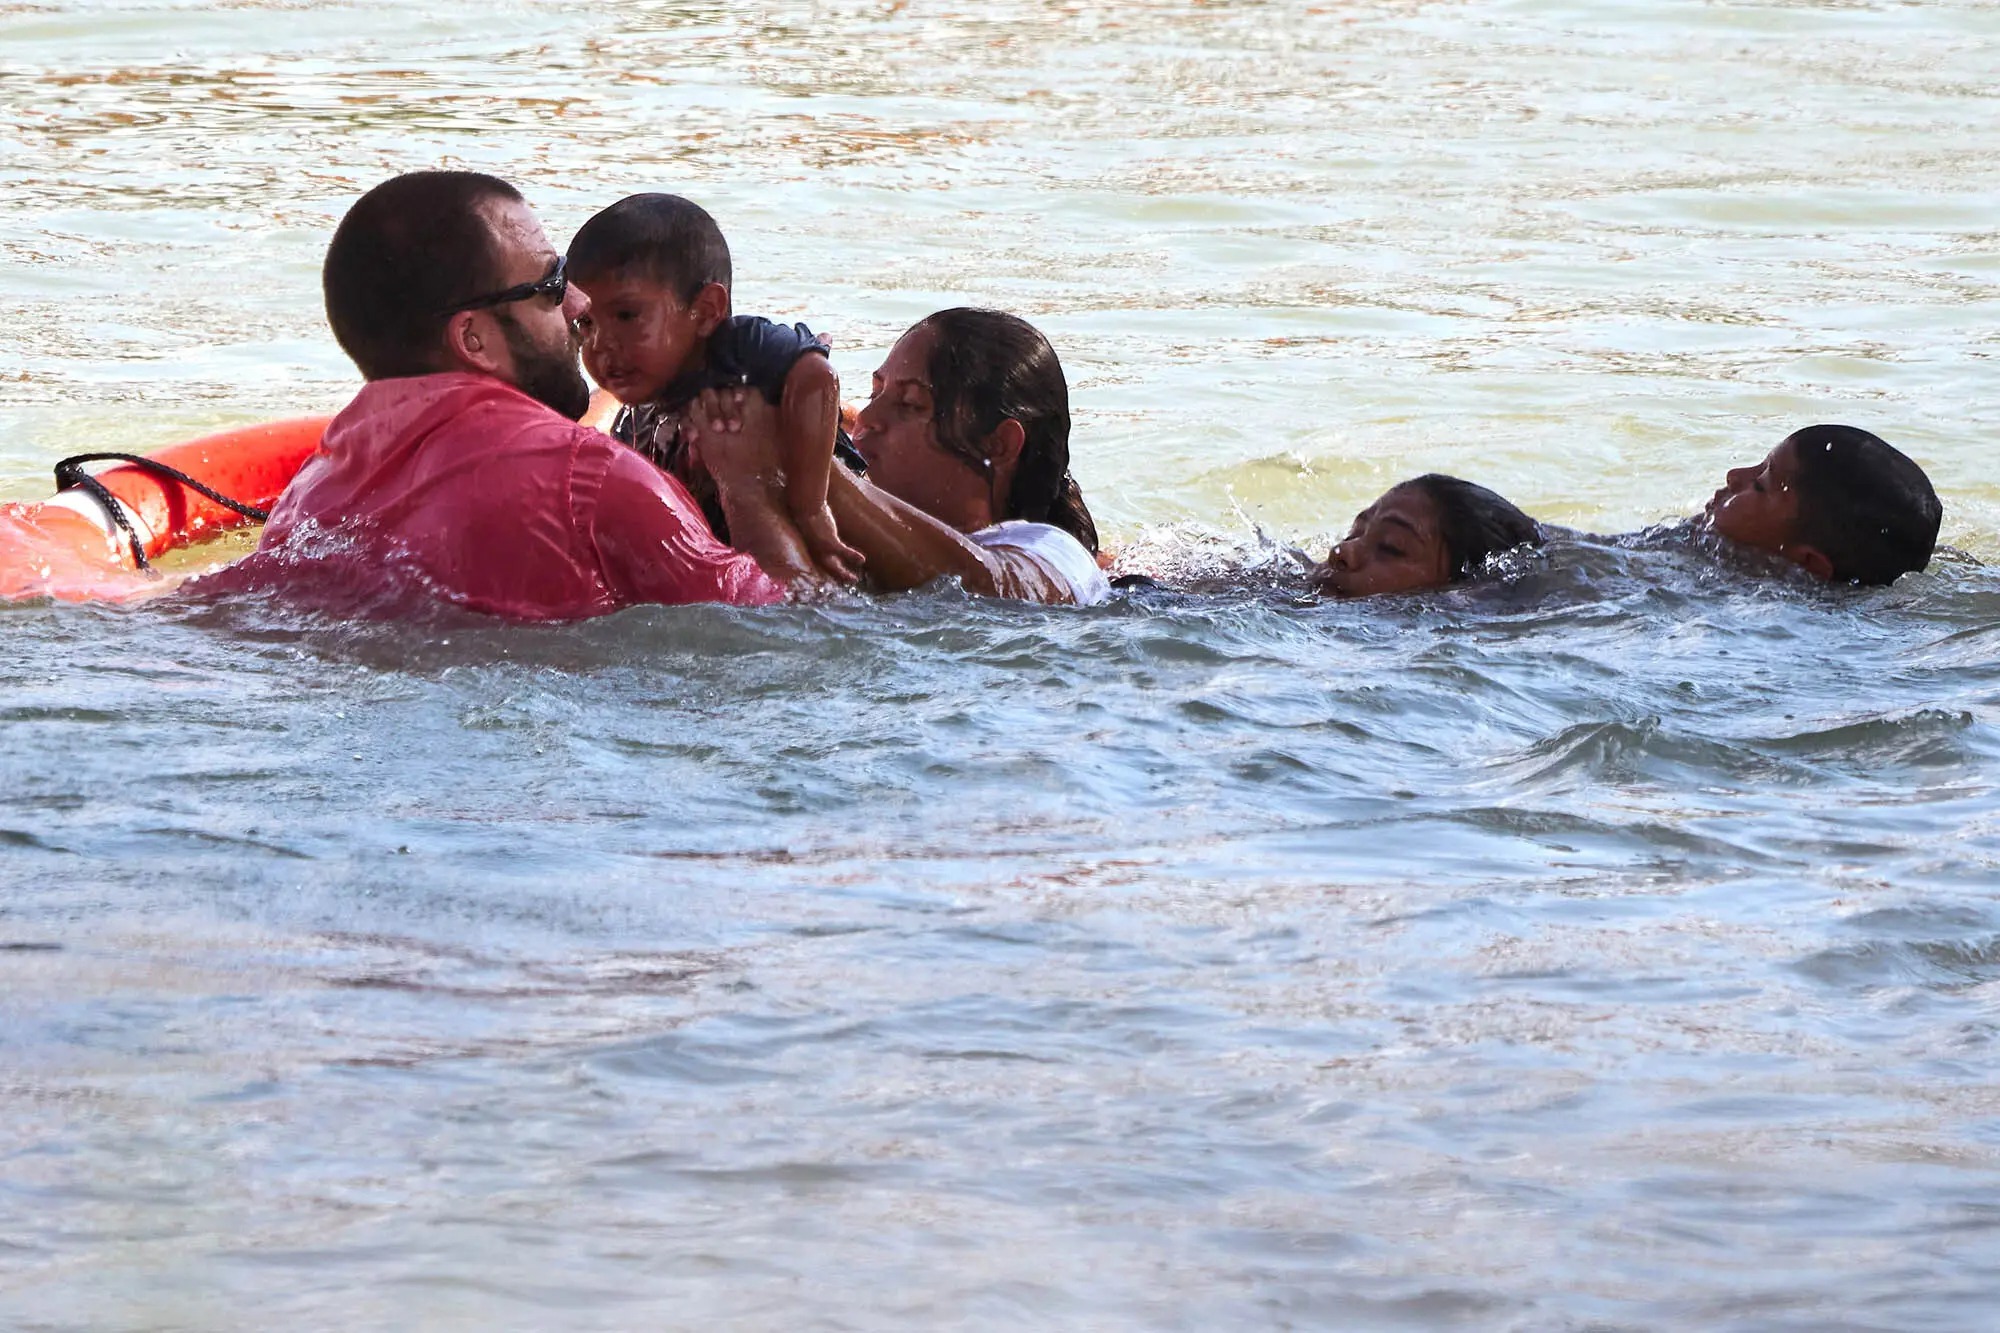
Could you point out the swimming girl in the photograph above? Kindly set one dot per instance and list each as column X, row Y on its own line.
column 1424, row 533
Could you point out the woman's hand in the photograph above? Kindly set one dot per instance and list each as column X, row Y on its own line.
column 715, row 413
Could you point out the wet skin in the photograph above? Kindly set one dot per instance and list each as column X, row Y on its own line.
column 529, row 343
column 896, row 431
column 1758, row 507
column 639, row 336
column 1394, row 546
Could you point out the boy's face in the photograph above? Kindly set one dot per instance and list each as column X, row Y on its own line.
column 1759, row 506
column 639, row 336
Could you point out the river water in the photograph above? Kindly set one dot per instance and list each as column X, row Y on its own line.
column 1612, row 947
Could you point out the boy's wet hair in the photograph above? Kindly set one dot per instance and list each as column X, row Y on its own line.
column 987, row 366
column 407, row 251
column 667, row 238
column 1474, row 524
column 1867, row 507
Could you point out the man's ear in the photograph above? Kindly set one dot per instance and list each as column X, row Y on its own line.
column 1811, row 559
column 471, row 343
column 710, row 307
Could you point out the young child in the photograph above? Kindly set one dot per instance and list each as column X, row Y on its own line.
column 1835, row 500
column 1423, row 533
column 659, row 331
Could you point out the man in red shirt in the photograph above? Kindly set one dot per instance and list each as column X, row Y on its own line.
column 459, row 472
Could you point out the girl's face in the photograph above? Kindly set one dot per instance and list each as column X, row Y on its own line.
column 1394, row 546
column 896, row 432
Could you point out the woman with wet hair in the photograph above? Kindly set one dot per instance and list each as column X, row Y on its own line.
column 968, row 421
column 1423, row 533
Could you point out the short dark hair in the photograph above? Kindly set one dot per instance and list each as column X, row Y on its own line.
column 409, row 249
column 987, row 366
column 1867, row 507
column 669, row 239
column 1474, row 524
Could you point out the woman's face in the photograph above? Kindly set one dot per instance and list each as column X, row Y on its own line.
column 1394, row 546
column 896, row 432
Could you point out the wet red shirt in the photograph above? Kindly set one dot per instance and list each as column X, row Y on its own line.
column 464, row 487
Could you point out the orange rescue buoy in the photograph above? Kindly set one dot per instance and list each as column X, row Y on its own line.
column 71, row 547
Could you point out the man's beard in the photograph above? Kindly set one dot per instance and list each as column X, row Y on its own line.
column 550, row 377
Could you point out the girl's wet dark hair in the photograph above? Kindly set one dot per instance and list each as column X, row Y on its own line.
column 1474, row 523
column 987, row 366
column 1867, row 507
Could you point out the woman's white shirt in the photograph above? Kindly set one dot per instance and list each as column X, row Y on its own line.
column 1057, row 554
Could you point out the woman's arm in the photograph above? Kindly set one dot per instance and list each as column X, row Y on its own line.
column 903, row 546
column 907, row 548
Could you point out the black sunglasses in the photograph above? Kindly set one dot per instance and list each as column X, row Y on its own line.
column 555, row 284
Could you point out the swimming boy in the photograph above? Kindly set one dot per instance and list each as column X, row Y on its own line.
column 660, row 330
column 1836, row 501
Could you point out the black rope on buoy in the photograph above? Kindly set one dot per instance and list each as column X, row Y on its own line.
column 70, row 474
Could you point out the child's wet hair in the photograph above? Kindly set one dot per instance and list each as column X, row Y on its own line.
column 667, row 238
column 1866, row 506
column 1474, row 524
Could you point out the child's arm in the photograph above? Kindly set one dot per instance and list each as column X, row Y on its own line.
column 808, row 415
column 746, row 469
